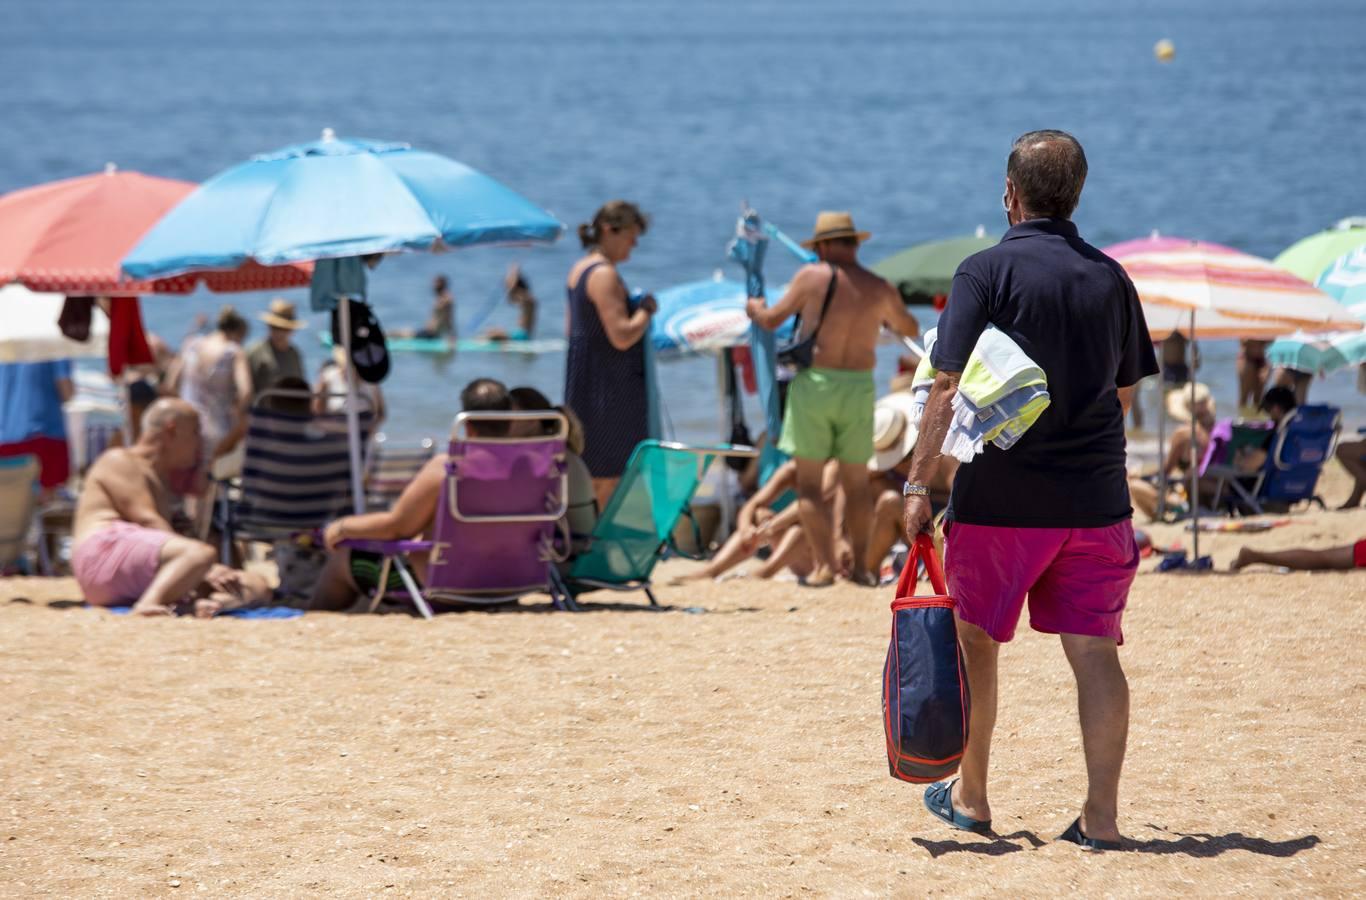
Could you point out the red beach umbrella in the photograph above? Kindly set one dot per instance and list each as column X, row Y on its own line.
column 70, row 237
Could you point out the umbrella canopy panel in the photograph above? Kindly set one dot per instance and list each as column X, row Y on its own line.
column 70, row 236
column 1212, row 278
column 703, row 317
column 929, row 268
column 1311, row 257
column 337, row 198
column 1345, row 278
column 30, row 332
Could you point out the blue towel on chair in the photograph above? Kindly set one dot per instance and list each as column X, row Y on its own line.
column 260, row 612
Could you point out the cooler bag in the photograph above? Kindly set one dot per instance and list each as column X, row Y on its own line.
column 924, row 688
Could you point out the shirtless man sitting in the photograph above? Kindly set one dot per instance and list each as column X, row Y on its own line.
column 351, row 576
column 830, row 406
column 125, row 549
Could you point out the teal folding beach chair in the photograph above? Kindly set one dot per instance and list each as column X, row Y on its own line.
column 18, row 501
column 635, row 528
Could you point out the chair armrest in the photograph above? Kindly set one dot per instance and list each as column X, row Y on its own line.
column 386, row 548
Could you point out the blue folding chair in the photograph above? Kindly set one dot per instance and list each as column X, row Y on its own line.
column 1303, row 443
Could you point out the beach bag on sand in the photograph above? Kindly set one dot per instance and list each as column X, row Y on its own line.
column 924, row 687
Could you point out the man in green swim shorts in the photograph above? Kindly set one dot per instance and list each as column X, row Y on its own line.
column 830, row 405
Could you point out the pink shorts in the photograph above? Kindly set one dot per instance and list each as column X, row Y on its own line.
column 116, row 564
column 1077, row 579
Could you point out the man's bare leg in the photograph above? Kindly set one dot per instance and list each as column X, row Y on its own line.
column 980, row 655
column 815, row 519
column 1103, row 707
column 858, row 518
column 733, row 552
column 335, row 589
column 886, row 530
column 182, row 565
column 1352, row 455
column 226, row 589
column 791, row 552
column 1303, row 559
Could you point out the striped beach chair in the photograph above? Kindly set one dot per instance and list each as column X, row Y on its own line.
column 296, row 472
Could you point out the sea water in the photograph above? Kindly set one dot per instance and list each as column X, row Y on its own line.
column 901, row 112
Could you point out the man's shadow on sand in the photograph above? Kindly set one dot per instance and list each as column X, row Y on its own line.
column 1198, row 845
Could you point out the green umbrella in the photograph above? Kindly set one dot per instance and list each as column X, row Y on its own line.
column 928, row 268
column 1309, row 258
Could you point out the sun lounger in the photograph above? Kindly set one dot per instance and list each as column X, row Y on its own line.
column 497, row 535
column 296, row 472
column 18, row 486
column 635, row 528
column 391, row 469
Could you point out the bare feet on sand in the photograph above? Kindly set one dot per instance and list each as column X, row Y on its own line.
column 1243, row 558
column 820, row 577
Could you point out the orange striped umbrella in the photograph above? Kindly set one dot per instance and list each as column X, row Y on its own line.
column 71, row 236
column 1210, row 278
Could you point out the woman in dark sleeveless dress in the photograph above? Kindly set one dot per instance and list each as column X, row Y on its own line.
column 605, row 371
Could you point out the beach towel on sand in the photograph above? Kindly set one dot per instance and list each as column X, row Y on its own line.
column 1001, row 394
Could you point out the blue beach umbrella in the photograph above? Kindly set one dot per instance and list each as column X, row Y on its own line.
column 701, row 317
column 333, row 199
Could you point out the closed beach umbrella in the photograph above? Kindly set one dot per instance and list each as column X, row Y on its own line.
column 70, row 237
column 336, row 198
column 30, row 332
column 1310, row 257
column 928, row 268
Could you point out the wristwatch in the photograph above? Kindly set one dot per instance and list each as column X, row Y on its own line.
column 915, row 490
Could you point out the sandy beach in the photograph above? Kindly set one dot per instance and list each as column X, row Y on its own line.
column 732, row 751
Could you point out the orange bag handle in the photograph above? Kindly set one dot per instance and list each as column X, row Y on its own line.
column 922, row 548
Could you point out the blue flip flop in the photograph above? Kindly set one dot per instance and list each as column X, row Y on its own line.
column 1078, row 837
column 939, row 801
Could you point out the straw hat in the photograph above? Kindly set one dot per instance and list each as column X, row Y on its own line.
column 833, row 225
column 893, row 434
column 282, row 315
column 1179, row 401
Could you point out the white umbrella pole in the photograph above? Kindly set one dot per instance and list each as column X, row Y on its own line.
column 725, row 502
column 1161, row 446
column 1194, row 470
column 352, row 408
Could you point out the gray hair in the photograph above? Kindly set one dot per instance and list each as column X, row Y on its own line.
column 1048, row 169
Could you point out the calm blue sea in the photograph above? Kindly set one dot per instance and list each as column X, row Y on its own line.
column 902, row 112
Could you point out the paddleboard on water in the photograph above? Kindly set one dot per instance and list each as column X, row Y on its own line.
column 464, row 345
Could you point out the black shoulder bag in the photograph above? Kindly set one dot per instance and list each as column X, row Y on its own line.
column 801, row 351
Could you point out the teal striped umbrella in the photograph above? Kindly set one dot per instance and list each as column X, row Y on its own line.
column 1345, row 279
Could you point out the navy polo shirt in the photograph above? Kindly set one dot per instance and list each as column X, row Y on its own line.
column 1073, row 310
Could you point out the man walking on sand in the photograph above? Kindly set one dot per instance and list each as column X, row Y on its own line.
column 1049, row 518
column 830, row 405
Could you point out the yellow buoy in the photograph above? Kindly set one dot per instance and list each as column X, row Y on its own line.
column 1164, row 50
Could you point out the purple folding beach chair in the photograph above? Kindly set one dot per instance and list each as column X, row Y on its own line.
column 498, row 532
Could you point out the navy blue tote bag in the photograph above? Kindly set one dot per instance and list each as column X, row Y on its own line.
column 924, row 687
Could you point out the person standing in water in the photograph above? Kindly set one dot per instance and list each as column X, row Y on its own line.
column 605, row 366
